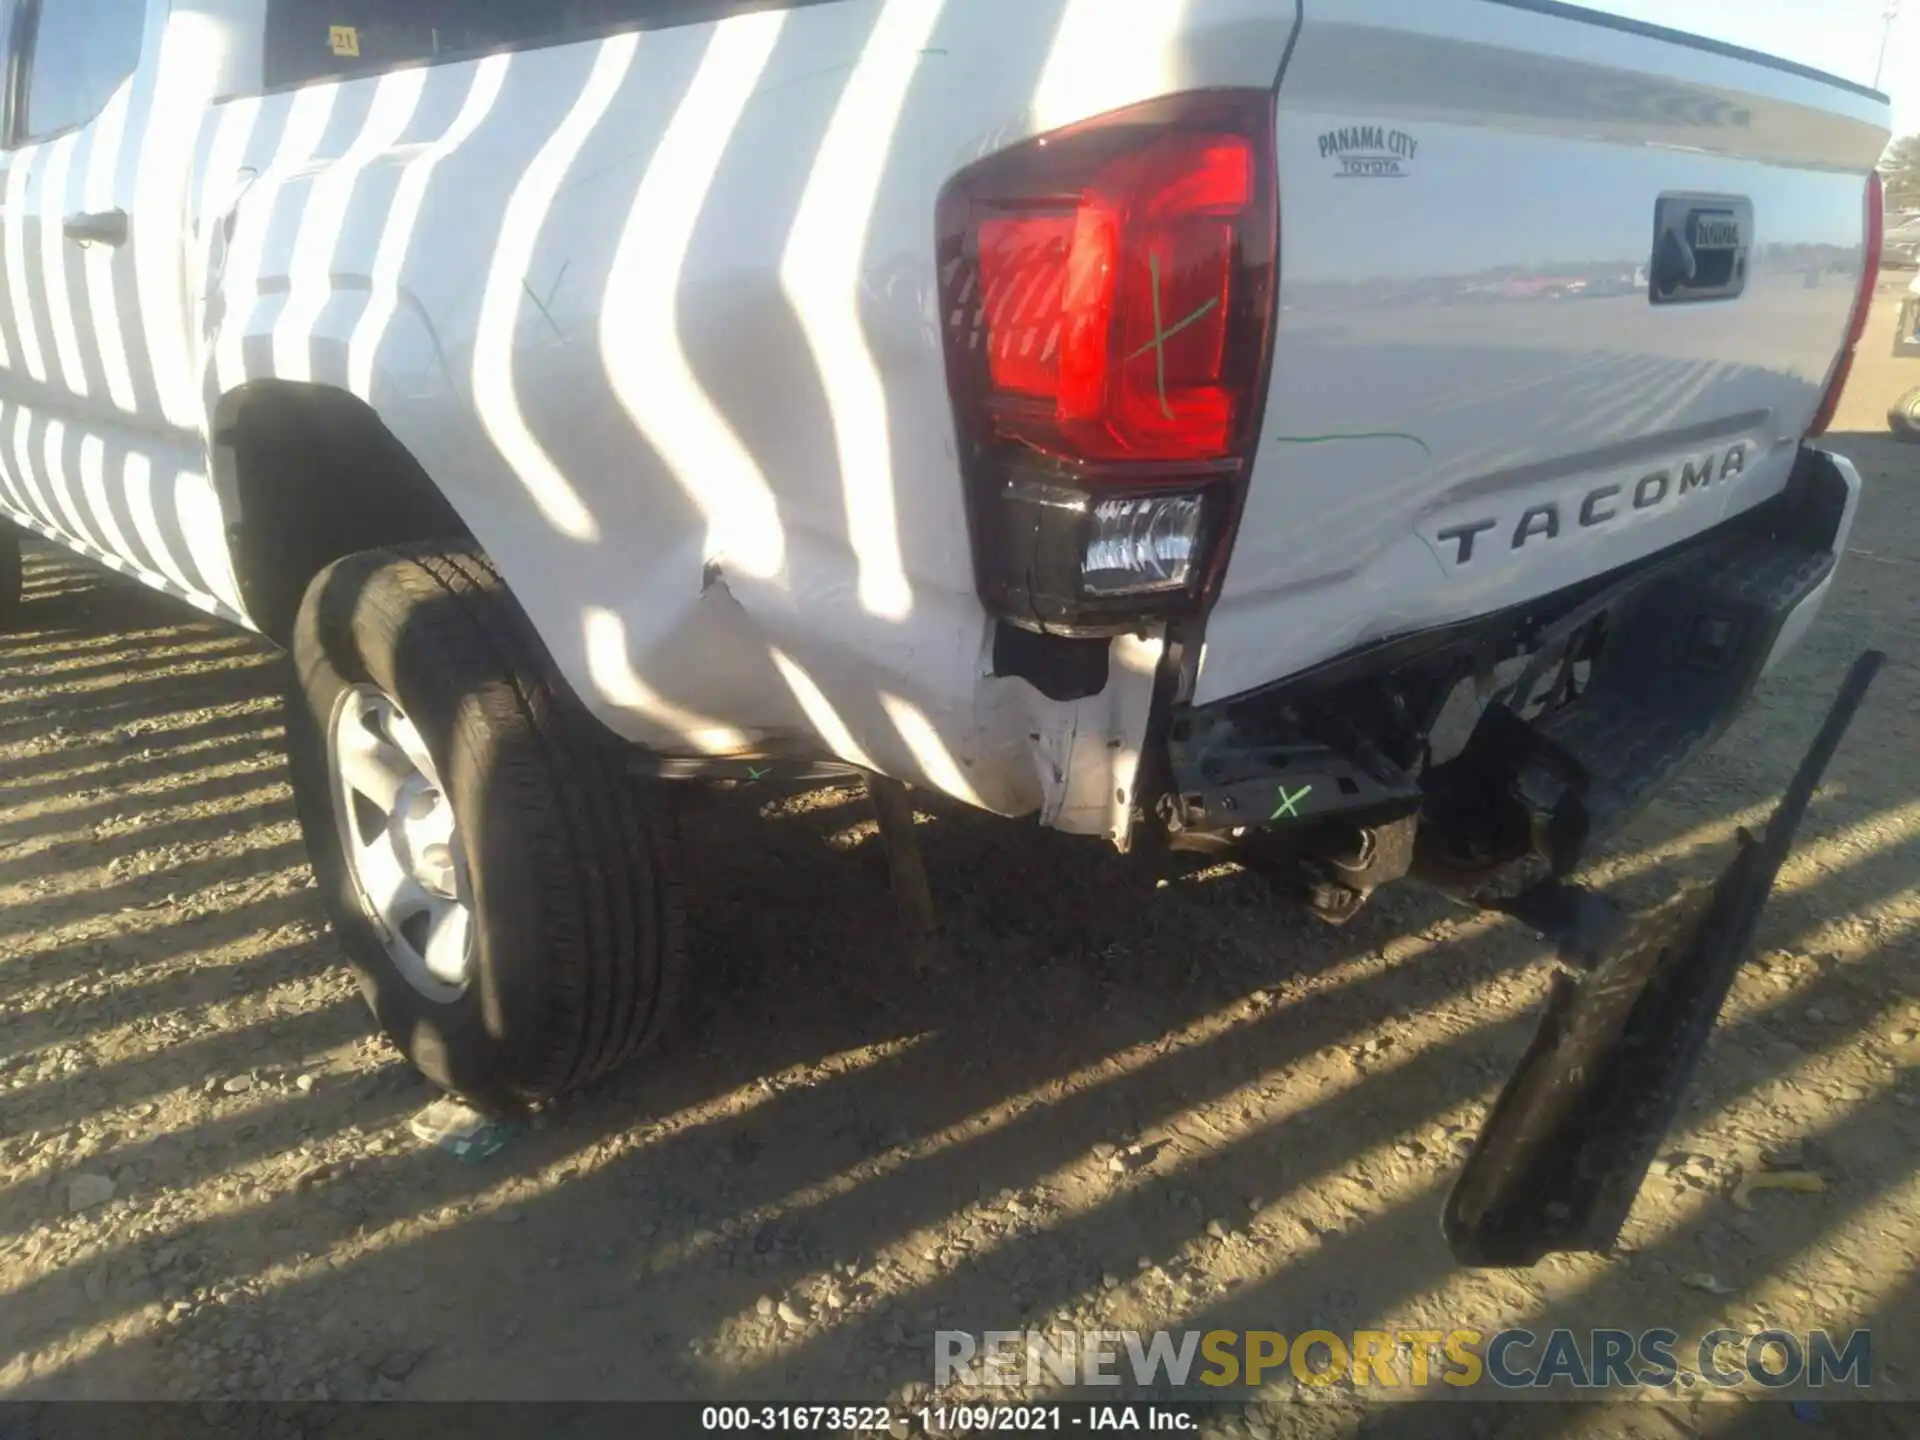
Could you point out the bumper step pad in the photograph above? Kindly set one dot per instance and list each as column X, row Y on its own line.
column 1681, row 653
column 1678, row 669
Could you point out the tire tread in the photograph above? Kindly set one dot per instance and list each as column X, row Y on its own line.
column 610, row 899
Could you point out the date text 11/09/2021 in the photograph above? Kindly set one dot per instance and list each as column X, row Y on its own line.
column 957, row 1419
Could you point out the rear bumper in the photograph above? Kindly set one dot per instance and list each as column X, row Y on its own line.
column 1793, row 629
column 1672, row 648
column 1640, row 671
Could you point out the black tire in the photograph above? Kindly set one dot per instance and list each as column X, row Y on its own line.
column 12, row 576
column 576, row 899
column 1904, row 418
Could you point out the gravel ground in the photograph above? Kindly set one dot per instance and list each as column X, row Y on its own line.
column 1121, row 1104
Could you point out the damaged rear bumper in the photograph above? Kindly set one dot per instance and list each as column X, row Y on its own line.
column 1567, row 1146
column 1624, row 680
column 1619, row 685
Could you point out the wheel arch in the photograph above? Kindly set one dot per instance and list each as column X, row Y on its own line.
column 309, row 473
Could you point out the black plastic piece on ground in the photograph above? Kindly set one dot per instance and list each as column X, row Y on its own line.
column 1584, row 926
column 1565, row 1151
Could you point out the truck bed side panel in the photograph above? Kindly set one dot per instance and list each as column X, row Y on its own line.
column 659, row 313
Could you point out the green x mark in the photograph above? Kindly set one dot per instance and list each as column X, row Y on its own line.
column 1289, row 803
column 1163, row 332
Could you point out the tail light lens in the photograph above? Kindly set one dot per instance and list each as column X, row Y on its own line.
column 1862, row 303
column 1108, row 297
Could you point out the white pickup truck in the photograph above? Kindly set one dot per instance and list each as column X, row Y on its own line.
column 1145, row 417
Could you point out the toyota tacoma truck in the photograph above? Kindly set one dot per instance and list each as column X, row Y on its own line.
column 1146, row 418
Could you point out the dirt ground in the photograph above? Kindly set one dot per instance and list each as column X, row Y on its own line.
column 1123, row 1104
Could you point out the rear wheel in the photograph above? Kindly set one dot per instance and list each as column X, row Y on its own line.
column 508, row 896
column 1905, row 415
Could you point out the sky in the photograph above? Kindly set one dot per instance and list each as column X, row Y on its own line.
column 1838, row 36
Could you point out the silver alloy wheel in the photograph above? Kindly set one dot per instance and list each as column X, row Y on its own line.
column 402, row 845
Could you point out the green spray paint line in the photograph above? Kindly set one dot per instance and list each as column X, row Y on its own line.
column 1159, row 336
column 1358, row 435
column 1175, row 328
column 1163, row 333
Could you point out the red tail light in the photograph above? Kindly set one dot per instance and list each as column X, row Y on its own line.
column 1862, row 303
column 1108, row 293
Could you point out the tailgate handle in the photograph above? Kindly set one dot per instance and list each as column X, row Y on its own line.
column 1701, row 245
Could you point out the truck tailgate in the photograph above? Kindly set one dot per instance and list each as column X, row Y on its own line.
column 1492, row 377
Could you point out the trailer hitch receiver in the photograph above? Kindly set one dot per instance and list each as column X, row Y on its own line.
column 1567, row 1146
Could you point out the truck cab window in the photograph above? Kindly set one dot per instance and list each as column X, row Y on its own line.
column 79, row 53
column 319, row 39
